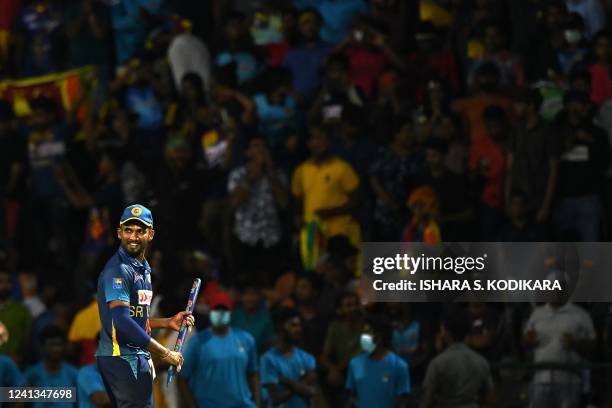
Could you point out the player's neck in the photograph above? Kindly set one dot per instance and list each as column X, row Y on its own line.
column 221, row 331
column 379, row 353
column 53, row 366
column 285, row 347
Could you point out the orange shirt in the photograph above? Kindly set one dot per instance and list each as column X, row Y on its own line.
column 472, row 109
column 492, row 157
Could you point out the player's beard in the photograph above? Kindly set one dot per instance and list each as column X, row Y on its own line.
column 135, row 250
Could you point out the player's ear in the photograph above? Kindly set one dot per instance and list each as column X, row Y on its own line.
column 119, row 233
column 151, row 233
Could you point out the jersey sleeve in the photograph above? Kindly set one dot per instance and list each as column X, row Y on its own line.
column 402, row 379
column 117, row 284
column 252, row 364
column 310, row 364
column 14, row 376
column 350, row 180
column 268, row 372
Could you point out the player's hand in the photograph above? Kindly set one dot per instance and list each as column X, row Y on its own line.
column 174, row 358
column 176, row 321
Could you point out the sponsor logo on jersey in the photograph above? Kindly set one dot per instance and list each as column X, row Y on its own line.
column 144, row 297
column 117, row 283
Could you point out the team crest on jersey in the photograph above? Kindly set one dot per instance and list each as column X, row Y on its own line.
column 136, row 211
column 144, row 297
column 117, row 283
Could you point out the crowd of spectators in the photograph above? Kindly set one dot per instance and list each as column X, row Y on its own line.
column 270, row 138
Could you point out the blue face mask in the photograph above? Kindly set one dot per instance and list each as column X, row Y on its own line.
column 220, row 318
column 367, row 343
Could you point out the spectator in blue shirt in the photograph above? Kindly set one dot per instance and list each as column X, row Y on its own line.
column 10, row 376
column 90, row 388
column 141, row 97
column 130, row 29
column 287, row 371
column 252, row 317
column 277, row 110
column 305, row 60
column 239, row 49
column 220, row 363
column 337, row 15
column 53, row 371
column 378, row 377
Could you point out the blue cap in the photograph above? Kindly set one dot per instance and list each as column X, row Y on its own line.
column 137, row 212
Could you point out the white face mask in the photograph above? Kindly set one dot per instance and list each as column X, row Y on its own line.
column 367, row 343
column 220, row 318
column 572, row 36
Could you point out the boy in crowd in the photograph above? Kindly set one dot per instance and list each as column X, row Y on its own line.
column 287, row 371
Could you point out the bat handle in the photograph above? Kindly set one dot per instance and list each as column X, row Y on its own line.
column 170, row 375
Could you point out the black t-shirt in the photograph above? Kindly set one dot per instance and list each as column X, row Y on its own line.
column 453, row 190
column 532, row 150
column 583, row 160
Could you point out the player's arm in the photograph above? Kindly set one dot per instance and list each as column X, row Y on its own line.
column 128, row 331
column 174, row 322
column 255, row 387
column 304, row 387
column 278, row 395
column 100, row 399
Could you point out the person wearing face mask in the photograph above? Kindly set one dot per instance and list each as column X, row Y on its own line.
column 377, row 377
column 220, row 367
column 16, row 318
column 287, row 371
column 572, row 54
column 458, row 376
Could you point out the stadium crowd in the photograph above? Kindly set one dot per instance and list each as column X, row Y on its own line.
column 270, row 138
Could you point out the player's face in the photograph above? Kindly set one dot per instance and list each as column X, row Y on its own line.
column 318, row 142
column 293, row 328
column 303, row 290
column 135, row 238
column 54, row 349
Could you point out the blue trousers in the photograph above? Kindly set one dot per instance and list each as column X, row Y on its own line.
column 124, row 389
column 581, row 217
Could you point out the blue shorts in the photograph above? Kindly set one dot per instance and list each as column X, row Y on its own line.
column 124, row 389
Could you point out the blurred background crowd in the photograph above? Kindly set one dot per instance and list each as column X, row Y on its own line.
column 270, row 138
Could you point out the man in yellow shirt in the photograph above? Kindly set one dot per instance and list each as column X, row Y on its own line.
column 326, row 188
column 84, row 331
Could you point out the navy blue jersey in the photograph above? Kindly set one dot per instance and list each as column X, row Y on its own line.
column 127, row 279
